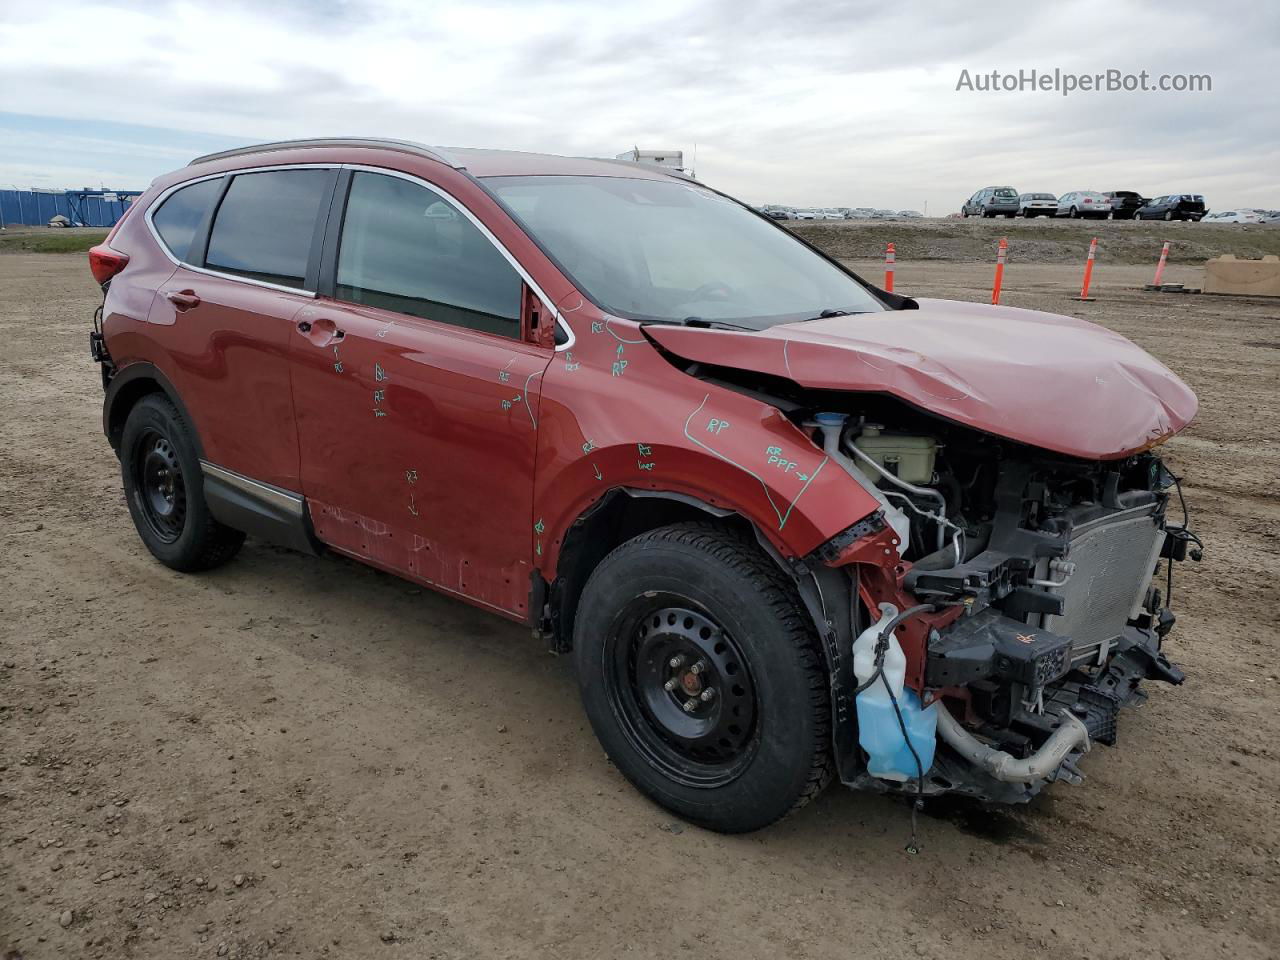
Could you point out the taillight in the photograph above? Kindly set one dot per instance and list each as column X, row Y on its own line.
column 105, row 263
column 1087, row 200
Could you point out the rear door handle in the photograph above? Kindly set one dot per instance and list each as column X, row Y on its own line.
column 182, row 299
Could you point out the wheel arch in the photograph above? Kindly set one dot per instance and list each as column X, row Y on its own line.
column 127, row 387
column 606, row 523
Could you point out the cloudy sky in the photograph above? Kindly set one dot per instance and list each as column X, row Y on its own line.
column 799, row 101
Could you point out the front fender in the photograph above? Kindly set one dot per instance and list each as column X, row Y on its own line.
column 656, row 428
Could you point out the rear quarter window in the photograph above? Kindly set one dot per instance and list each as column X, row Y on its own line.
column 180, row 215
column 264, row 226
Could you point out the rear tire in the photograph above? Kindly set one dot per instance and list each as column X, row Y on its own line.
column 759, row 746
column 164, row 487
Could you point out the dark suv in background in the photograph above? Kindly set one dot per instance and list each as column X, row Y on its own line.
column 1124, row 203
column 1176, row 206
column 992, row 202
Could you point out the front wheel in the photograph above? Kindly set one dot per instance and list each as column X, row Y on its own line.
column 701, row 676
column 164, row 487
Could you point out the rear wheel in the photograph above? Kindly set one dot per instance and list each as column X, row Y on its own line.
column 1168, row 214
column 701, row 677
column 164, row 487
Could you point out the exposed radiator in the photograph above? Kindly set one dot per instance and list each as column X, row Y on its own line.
column 1114, row 557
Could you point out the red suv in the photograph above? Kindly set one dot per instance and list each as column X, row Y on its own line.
column 792, row 527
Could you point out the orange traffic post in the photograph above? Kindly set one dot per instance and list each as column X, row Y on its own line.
column 1001, row 252
column 890, row 258
column 1088, row 271
column 1164, row 256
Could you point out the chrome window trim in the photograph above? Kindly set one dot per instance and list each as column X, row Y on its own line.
column 283, row 499
column 488, row 234
column 365, row 168
column 155, row 205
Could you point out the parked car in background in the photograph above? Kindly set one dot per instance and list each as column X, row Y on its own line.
column 864, row 213
column 1235, row 216
column 991, row 202
column 910, row 214
column 1083, row 203
column 832, row 213
column 885, row 214
column 1124, row 203
column 777, row 213
column 808, row 213
column 1175, row 206
column 1037, row 205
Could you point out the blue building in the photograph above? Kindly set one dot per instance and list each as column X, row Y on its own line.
column 84, row 208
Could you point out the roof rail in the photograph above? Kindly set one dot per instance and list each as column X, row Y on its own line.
column 404, row 146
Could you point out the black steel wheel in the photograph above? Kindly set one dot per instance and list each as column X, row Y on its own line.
column 163, row 485
column 686, row 695
column 702, row 677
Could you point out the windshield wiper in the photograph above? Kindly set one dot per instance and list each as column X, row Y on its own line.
column 829, row 313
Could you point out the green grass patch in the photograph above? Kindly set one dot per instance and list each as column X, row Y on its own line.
column 54, row 241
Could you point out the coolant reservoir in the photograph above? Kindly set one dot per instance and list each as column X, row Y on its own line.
column 879, row 732
column 906, row 457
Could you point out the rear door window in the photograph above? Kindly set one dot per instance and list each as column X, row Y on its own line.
column 264, row 226
column 179, row 217
column 405, row 248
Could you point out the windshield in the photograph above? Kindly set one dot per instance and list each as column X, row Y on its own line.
column 672, row 251
column 1006, row 193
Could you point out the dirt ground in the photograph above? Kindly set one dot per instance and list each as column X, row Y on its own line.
column 303, row 757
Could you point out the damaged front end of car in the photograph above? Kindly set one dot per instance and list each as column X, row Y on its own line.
column 1021, row 557
column 1038, row 611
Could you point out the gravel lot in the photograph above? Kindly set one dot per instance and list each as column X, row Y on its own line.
column 304, row 757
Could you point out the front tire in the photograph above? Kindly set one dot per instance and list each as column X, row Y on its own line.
column 164, row 487
column 691, row 608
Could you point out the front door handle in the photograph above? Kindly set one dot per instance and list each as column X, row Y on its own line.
column 322, row 332
column 182, row 299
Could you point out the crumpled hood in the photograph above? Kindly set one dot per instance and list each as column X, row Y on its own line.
column 1053, row 382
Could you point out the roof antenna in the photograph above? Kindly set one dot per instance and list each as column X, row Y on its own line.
column 693, row 169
